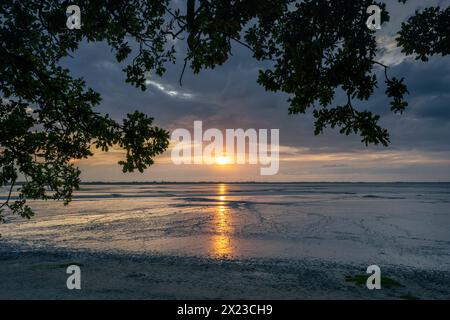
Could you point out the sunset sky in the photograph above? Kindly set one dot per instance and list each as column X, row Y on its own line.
column 229, row 97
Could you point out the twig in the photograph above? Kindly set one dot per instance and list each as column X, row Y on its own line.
column 13, row 182
column 385, row 69
column 182, row 72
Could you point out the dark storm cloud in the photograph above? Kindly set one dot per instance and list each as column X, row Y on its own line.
column 229, row 97
column 435, row 107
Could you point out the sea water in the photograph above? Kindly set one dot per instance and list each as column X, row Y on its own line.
column 377, row 223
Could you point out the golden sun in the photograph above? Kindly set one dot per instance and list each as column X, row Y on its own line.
column 223, row 160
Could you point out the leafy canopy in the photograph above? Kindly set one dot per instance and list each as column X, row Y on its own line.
column 315, row 49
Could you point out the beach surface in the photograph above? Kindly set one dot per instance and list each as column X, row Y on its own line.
column 233, row 241
column 42, row 275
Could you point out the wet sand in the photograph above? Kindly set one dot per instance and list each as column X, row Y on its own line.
column 42, row 275
column 229, row 241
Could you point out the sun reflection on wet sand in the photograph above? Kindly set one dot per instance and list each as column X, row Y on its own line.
column 221, row 241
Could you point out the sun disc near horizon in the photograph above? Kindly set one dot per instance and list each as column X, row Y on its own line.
column 223, row 160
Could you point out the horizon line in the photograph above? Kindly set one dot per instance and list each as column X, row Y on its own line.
column 248, row 182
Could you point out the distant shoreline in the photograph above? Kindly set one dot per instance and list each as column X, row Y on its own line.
column 248, row 182
column 251, row 182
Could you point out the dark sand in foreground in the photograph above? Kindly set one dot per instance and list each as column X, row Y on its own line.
column 42, row 275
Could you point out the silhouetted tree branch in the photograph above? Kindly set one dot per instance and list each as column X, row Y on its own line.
column 316, row 49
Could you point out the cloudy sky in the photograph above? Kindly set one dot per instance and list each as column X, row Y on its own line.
column 229, row 97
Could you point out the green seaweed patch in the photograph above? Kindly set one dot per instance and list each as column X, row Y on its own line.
column 409, row 296
column 361, row 279
column 49, row 266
